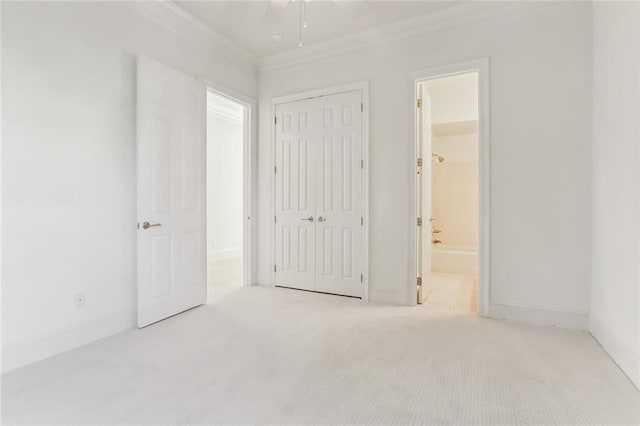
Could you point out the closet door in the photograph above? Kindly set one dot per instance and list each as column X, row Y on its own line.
column 295, row 136
column 318, row 194
column 339, row 194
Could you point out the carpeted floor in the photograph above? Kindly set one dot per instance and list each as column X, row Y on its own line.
column 265, row 355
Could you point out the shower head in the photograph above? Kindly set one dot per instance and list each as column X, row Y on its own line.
column 438, row 158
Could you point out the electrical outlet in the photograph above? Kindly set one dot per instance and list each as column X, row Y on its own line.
column 80, row 300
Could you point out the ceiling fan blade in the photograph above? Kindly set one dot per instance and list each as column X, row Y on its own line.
column 274, row 12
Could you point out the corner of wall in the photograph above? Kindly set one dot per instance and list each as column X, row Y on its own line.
column 623, row 354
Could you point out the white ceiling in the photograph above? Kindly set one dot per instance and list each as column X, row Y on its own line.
column 243, row 22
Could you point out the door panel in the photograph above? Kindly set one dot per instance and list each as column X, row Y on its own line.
column 319, row 176
column 171, row 192
column 423, row 118
column 295, row 233
column 339, row 211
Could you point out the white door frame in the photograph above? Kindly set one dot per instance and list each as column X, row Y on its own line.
column 481, row 66
column 363, row 86
column 249, row 154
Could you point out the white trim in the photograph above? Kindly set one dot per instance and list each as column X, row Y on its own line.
column 363, row 86
column 226, row 114
column 178, row 20
column 481, row 66
column 572, row 320
column 621, row 352
column 636, row 380
column 1, row 209
column 19, row 354
column 448, row 18
column 249, row 186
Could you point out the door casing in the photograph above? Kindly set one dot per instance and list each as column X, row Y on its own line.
column 362, row 86
column 249, row 124
column 481, row 66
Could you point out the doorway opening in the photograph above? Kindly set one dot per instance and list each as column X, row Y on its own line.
column 448, row 191
column 227, row 263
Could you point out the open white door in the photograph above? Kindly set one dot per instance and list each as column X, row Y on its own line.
column 171, row 192
column 423, row 131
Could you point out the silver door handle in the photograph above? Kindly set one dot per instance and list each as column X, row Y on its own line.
column 147, row 225
column 321, row 219
column 310, row 218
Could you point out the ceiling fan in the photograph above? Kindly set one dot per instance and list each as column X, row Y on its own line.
column 276, row 9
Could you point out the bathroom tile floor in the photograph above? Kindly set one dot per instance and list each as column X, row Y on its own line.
column 452, row 292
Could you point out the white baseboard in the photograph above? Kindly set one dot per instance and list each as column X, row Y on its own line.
column 387, row 297
column 224, row 254
column 622, row 353
column 36, row 349
column 540, row 316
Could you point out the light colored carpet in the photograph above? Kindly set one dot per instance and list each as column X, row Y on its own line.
column 267, row 355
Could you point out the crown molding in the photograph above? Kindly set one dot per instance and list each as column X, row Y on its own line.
column 466, row 13
column 227, row 114
column 174, row 18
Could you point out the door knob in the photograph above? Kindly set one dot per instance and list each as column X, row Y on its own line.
column 147, row 225
column 321, row 219
column 310, row 218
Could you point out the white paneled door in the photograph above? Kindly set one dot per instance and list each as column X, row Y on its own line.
column 423, row 185
column 171, row 192
column 319, row 194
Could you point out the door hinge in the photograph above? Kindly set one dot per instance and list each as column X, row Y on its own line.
column 361, row 221
column 275, row 169
column 275, row 120
column 419, row 103
column 419, row 281
column 361, row 278
column 275, row 219
column 274, row 268
column 361, row 106
column 362, row 164
column 419, row 162
column 419, row 221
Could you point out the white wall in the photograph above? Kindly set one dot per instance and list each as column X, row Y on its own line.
column 68, row 165
column 225, row 149
column 540, row 155
column 615, row 295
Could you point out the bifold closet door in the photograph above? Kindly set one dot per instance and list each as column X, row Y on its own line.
column 319, row 194
column 338, row 194
column 295, row 202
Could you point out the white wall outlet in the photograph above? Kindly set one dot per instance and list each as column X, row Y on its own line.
column 80, row 300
